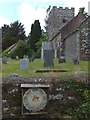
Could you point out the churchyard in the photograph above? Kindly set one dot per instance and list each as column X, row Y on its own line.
column 13, row 66
column 67, row 96
column 46, row 87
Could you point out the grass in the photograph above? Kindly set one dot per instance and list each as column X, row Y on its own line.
column 14, row 67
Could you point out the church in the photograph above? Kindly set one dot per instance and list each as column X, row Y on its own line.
column 69, row 34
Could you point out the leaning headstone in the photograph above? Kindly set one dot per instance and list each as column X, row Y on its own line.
column 4, row 60
column 24, row 64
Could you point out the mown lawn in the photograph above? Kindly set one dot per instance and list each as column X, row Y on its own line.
column 14, row 67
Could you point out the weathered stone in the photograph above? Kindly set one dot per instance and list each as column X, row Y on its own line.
column 55, row 97
column 58, row 17
column 4, row 60
column 80, row 73
column 12, row 75
column 62, row 59
column 24, row 64
column 75, row 61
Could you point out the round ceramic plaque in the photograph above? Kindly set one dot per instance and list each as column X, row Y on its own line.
column 35, row 99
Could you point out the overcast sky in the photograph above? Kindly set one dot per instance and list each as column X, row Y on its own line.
column 27, row 11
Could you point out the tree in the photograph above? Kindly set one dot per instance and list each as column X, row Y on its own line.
column 20, row 49
column 35, row 34
column 39, row 45
column 12, row 33
column 17, row 30
column 5, row 36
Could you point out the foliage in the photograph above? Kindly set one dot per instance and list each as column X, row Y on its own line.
column 35, row 35
column 83, row 111
column 21, row 49
column 5, row 53
column 12, row 33
column 13, row 67
column 39, row 45
column 77, row 108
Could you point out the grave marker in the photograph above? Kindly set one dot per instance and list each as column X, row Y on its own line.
column 75, row 61
column 48, row 54
column 4, row 60
column 24, row 64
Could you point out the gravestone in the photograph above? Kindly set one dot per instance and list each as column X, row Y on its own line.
column 13, row 75
column 75, row 60
column 17, row 57
column 32, row 58
column 4, row 60
column 42, row 50
column 48, row 54
column 0, row 59
column 62, row 59
column 26, row 57
column 80, row 73
column 9, row 59
column 24, row 64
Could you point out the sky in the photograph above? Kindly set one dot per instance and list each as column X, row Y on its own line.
column 27, row 11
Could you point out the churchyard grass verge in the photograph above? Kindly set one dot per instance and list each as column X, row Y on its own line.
column 14, row 67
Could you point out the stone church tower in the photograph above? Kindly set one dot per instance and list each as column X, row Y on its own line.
column 56, row 19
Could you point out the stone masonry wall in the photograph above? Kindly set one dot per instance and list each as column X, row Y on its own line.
column 57, row 18
column 62, row 96
column 85, row 39
column 71, row 46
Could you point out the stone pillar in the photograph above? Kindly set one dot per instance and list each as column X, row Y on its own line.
column 78, row 44
column 55, row 53
column 42, row 49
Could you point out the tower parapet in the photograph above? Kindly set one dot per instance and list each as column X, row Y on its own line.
column 57, row 18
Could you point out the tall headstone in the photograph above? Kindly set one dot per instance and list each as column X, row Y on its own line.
column 24, row 64
column 48, row 54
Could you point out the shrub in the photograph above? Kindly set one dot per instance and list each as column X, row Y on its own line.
column 83, row 111
column 21, row 49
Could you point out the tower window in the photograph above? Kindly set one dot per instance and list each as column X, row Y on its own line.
column 64, row 21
